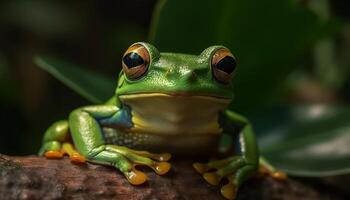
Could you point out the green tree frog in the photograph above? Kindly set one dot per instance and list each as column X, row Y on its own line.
column 164, row 102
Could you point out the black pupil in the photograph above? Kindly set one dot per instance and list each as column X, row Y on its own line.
column 133, row 59
column 227, row 64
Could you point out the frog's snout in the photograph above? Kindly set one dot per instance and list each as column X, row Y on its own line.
column 190, row 75
column 186, row 75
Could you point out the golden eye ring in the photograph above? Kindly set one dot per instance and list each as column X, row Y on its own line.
column 135, row 61
column 223, row 65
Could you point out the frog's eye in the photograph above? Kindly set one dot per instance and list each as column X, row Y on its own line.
column 223, row 65
column 135, row 61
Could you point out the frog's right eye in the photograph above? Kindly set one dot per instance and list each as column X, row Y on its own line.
column 135, row 61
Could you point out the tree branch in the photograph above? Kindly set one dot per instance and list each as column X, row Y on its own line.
column 33, row 177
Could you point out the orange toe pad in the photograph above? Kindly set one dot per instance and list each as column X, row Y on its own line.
column 77, row 158
column 53, row 154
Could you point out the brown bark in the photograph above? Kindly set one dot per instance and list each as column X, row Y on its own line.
column 33, row 177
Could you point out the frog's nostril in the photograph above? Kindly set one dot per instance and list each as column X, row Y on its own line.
column 193, row 76
column 168, row 72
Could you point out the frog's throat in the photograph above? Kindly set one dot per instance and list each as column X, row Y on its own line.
column 173, row 114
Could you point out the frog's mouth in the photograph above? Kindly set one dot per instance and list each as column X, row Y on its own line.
column 178, row 95
column 175, row 113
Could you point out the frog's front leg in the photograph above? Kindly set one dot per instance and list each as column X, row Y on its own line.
column 238, row 168
column 88, row 138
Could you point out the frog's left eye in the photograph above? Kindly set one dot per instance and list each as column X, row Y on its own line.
column 223, row 65
column 135, row 61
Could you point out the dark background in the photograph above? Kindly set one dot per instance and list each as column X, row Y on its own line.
column 94, row 34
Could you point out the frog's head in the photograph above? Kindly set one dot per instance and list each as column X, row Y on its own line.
column 148, row 72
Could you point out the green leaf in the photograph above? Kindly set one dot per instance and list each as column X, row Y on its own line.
column 311, row 140
column 91, row 85
column 266, row 36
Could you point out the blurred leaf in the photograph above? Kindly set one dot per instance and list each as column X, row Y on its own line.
column 91, row 85
column 266, row 37
column 308, row 140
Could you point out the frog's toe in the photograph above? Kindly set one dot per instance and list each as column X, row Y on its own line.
column 214, row 171
column 234, row 169
column 74, row 155
column 135, row 177
column 229, row 191
column 275, row 174
column 154, row 161
column 279, row 175
column 159, row 167
column 200, row 167
column 51, row 150
column 77, row 158
column 53, row 154
column 159, row 157
column 216, row 164
column 212, row 177
column 162, row 157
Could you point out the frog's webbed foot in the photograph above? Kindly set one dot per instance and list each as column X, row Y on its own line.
column 235, row 169
column 127, row 161
column 65, row 149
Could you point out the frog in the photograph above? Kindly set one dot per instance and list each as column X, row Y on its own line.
column 164, row 104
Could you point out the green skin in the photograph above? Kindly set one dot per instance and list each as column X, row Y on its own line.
column 86, row 124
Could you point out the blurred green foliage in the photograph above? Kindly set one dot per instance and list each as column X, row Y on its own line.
column 86, row 83
column 306, row 140
column 266, row 36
